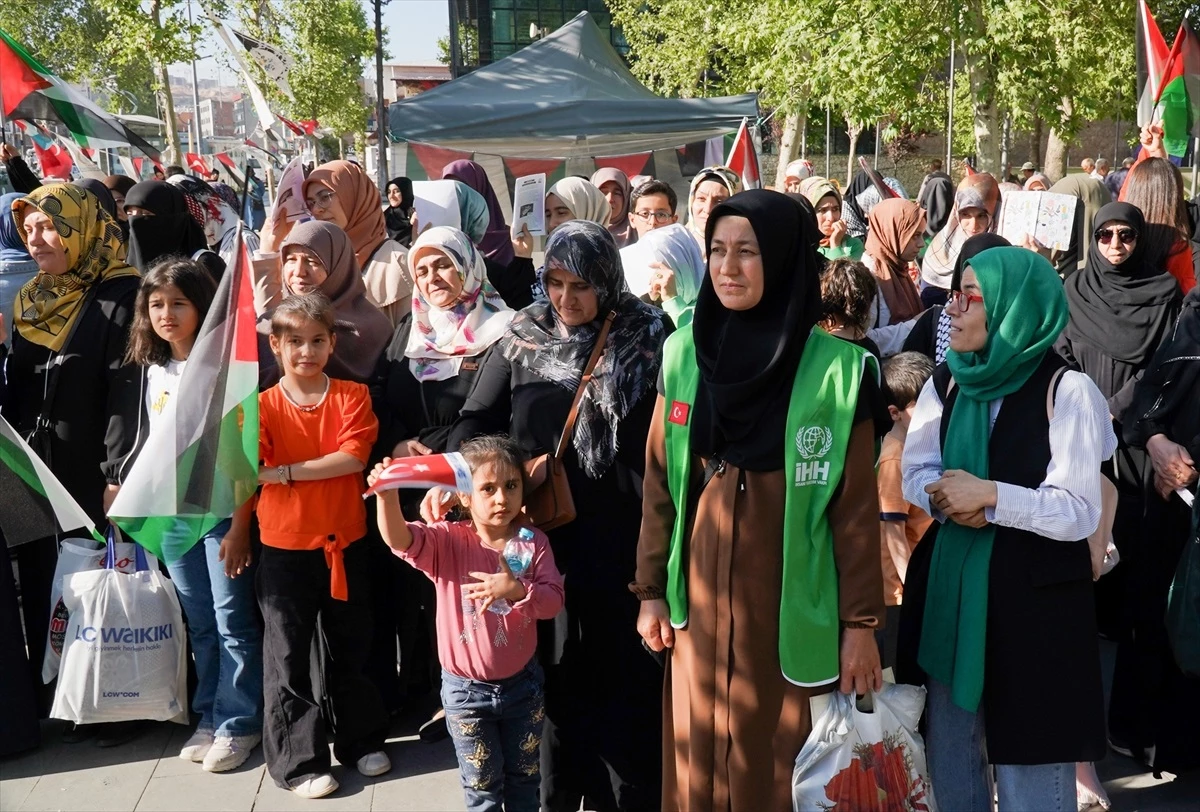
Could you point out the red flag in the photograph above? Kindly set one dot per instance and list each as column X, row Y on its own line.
column 434, row 470
column 138, row 163
column 310, row 125
column 434, row 159
column 224, row 158
column 196, row 163
column 291, row 125
column 629, row 164
column 885, row 191
column 55, row 162
column 743, row 159
column 1152, row 55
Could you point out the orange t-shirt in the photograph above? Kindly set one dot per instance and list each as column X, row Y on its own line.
column 324, row 514
column 893, row 508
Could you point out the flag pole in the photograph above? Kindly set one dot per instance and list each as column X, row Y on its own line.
column 1195, row 163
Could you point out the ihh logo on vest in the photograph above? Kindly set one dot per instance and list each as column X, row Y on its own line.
column 813, row 443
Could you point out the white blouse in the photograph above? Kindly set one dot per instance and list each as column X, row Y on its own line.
column 1066, row 506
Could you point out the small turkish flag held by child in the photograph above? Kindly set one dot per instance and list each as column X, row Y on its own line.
column 430, row 471
column 679, row 413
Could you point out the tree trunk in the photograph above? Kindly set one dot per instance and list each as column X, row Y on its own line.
column 1057, row 146
column 789, row 145
column 985, row 113
column 168, row 101
column 853, row 131
column 1035, row 143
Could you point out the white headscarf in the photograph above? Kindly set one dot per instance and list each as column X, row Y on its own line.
column 675, row 247
column 584, row 200
column 441, row 338
column 800, row 169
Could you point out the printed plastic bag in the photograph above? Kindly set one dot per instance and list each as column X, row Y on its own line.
column 858, row 761
column 125, row 649
column 77, row 555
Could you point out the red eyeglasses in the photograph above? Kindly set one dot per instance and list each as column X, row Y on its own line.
column 963, row 300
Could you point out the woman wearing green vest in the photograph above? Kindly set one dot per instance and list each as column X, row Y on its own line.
column 1004, row 450
column 836, row 242
column 758, row 562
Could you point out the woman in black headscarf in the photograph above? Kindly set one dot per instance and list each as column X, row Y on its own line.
column 931, row 334
column 759, row 557
column 398, row 214
column 160, row 224
column 603, row 692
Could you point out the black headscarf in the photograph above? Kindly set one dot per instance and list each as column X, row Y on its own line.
column 399, row 223
column 937, row 199
column 628, row 370
column 748, row 359
column 1123, row 310
column 172, row 229
column 975, row 245
column 101, row 192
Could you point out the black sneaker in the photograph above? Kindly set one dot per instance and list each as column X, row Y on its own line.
column 435, row 729
column 114, row 734
column 74, row 734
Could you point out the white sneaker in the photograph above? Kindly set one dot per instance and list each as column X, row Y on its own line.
column 316, row 786
column 197, row 747
column 230, row 752
column 373, row 764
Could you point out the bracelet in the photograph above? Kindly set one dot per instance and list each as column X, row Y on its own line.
column 282, row 472
column 290, row 480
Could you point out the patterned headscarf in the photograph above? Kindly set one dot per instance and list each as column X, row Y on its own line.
column 47, row 305
column 441, row 338
column 628, row 370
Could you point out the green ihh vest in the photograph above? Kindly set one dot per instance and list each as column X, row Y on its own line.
column 820, row 418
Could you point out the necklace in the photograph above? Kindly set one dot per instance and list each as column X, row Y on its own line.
column 312, row 408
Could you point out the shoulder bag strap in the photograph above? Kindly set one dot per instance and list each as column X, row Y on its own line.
column 587, row 377
column 53, row 369
column 1052, row 390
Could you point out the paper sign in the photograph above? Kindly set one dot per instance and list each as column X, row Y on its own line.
column 1186, row 496
column 436, row 202
column 1046, row 216
column 529, row 204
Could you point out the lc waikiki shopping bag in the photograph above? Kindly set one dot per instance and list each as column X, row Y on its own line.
column 125, row 648
column 859, row 761
column 77, row 555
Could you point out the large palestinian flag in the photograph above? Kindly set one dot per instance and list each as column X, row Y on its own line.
column 35, row 503
column 1178, row 102
column 1152, row 55
column 29, row 91
column 200, row 462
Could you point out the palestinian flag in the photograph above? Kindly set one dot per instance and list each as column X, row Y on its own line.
column 743, row 159
column 28, row 90
column 53, row 160
column 1152, row 54
column 36, row 504
column 200, row 462
column 1178, row 103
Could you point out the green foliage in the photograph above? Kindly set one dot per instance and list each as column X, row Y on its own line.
column 468, row 46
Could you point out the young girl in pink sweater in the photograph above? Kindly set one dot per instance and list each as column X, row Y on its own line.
column 494, row 579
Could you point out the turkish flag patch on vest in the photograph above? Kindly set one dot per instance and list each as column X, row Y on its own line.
column 679, row 413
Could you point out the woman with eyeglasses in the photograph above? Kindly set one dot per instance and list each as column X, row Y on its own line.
column 976, row 210
column 836, row 242
column 341, row 193
column 1004, row 451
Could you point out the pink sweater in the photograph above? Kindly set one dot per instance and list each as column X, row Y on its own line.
column 474, row 644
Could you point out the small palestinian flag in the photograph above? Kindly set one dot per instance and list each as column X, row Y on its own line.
column 431, row 471
column 200, row 462
column 1152, row 54
column 29, row 91
column 743, row 158
column 1178, row 103
column 36, row 505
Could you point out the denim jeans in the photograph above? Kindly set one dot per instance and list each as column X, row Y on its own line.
column 958, row 768
column 497, row 733
column 222, row 620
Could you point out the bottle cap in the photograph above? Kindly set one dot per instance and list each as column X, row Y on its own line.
column 525, row 534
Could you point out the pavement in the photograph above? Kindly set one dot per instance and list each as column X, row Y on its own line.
column 147, row 775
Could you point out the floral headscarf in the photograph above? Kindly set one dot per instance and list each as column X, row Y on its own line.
column 441, row 338
column 48, row 305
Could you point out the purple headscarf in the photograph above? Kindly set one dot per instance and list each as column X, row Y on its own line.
column 497, row 242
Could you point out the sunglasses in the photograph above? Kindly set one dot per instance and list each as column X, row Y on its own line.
column 1127, row 236
column 963, row 300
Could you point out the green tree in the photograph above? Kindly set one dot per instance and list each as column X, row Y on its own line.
column 468, row 44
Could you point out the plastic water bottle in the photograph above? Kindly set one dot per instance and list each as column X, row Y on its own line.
column 519, row 556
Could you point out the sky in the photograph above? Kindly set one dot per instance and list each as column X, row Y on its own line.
column 413, row 29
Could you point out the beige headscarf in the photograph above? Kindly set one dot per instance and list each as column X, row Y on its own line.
column 978, row 191
column 586, row 201
column 893, row 224
column 360, row 202
column 622, row 229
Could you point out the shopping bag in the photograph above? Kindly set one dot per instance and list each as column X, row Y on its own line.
column 860, row 761
column 1183, row 603
column 125, row 648
column 77, row 555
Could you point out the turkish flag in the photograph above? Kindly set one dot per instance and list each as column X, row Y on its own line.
column 431, row 471
column 679, row 413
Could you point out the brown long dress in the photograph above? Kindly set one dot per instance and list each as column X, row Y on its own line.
column 732, row 724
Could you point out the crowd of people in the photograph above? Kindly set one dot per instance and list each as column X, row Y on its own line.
column 808, row 435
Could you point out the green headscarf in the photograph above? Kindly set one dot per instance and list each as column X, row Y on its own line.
column 1026, row 310
column 473, row 213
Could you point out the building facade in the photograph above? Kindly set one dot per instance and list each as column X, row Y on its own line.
column 490, row 30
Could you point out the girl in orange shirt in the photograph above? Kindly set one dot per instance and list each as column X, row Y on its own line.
column 316, row 434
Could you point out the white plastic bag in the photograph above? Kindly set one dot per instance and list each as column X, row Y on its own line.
column 857, row 761
column 77, row 555
column 126, row 647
